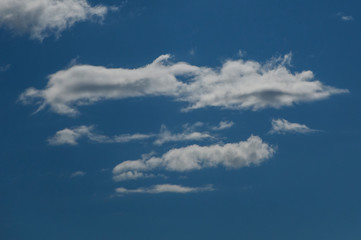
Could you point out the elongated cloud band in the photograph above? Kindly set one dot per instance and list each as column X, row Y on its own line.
column 253, row 151
column 165, row 188
column 40, row 18
column 70, row 136
column 238, row 84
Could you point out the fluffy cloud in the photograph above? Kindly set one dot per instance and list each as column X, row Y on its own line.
column 40, row 18
column 282, row 126
column 238, row 84
column 165, row 188
column 70, row 136
column 253, row 151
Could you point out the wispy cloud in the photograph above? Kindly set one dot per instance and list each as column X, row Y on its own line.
column 70, row 136
column 5, row 68
column 165, row 188
column 41, row 18
column 78, row 174
column 237, row 84
column 223, row 125
column 166, row 136
column 253, row 151
column 282, row 126
column 344, row 17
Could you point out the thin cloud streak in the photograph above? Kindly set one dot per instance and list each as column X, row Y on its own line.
column 165, row 188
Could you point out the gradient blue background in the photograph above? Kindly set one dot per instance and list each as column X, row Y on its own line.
column 309, row 190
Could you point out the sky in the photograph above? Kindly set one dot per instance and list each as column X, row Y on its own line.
column 180, row 119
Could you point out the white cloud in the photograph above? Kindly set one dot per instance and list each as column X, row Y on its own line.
column 238, row 84
column 41, row 18
column 78, row 174
column 166, row 136
column 282, row 126
column 165, row 188
column 70, row 136
column 253, row 151
column 345, row 18
column 223, row 125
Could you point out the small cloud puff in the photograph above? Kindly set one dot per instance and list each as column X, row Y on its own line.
column 282, row 126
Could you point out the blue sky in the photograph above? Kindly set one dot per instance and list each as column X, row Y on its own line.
column 180, row 120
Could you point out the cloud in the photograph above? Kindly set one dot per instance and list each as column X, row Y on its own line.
column 345, row 18
column 253, row 151
column 78, row 174
column 5, row 68
column 165, row 188
column 223, row 125
column 41, row 18
column 166, row 136
column 282, row 126
column 237, row 84
column 70, row 136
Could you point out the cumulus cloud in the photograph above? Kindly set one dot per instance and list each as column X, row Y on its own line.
column 237, row 84
column 282, row 126
column 253, row 151
column 70, row 136
column 78, row 174
column 165, row 188
column 40, row 18
column 223, row 125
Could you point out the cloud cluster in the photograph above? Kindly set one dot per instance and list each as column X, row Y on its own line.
column 70, row 136
column 238, row 84
column 40, row 18
column 282, row 126
column 253, row 151
column 165, row 188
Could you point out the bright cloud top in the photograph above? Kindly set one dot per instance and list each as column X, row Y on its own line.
column 40, row 18
column 238, row 84
column 165, row 188
column 282, row 126
column 253, row 151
